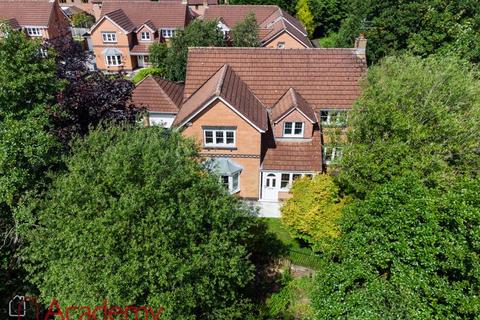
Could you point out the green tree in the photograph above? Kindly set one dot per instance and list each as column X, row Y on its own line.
column 420, row 26
column 28, row 85
column 312, row 212
column 83, row 20
column 245, row 33
column 328, row 15
column 420, row 115
column 406, row 252
column 287, row 5
column 158, row 53
column 135, row 219
column 173, row 61
column 304, row 14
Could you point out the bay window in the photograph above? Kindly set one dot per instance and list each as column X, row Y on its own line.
column 114, row 60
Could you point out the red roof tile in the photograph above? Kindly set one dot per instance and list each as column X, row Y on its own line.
column 27, row 12
column 289, row 101
column 325, row 78
column 301, row 155
column 225, row 83
column 158, row 95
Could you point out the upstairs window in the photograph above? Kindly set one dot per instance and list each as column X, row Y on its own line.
column 332, row 155
column 219, row 138
column 333, row 117
column 109, row 37
column 145, row 36
column 293, row 129
column 34, row 32
column 168, row 33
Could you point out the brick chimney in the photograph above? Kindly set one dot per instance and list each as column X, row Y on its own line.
column 361, row 46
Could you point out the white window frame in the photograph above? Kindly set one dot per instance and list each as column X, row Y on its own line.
column 109, row 37
column 336, row 154
column 113, row 60
column 168, row 33
column 145, row 36
column 293, row 134
column 231, row 179
column 334, row 114
column 34, row 31
column 215, row 144
column 290, row 179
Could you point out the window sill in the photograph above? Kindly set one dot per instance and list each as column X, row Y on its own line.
column 219, row 148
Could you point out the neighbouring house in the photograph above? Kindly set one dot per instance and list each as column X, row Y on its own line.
column 42, row 19
column 92, row 7
column 122, row 36
column 277, row 28
column 199, row 6
column 260, row 115
column 162, row 98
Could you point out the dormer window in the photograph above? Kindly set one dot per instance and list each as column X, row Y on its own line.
column 34, row 32
column 145, row 36
column 293, row 129
column 168, row 33
column 109, row 37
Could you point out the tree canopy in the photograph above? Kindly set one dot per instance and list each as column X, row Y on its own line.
column 245, row 33
column 172, row 60
column 414, row 114
column 304, row 14
column 135, row 219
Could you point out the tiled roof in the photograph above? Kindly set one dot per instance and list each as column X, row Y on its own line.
column 200, row 2
column 161, row 14
column 302, row 155
column 289, row 101
column 325, row 78
column 270, row 19
column 27, row 12
column 140, row 48
column 12, row 23
column 225, row 83
column 158, row 95
column 120, row 18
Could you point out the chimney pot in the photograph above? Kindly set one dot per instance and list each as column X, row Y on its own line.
column 361, row 46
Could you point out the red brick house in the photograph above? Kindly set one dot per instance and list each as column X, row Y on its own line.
column 42, row 19
column 258, row 113
column 277, row 28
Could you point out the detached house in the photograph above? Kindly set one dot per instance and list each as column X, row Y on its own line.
column 42, row 19
column 259, row 114
column 122, row 36
column 277, row 28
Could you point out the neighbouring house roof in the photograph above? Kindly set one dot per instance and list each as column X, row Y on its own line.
column 121, row 19
column 270, row 18
column 12, row 23
column 158, row 95
column 157, row 14
column 200, row 2
column 225, row 84
column 325, row 78
column 27, row 12
column 294, row 155
column 290, row 101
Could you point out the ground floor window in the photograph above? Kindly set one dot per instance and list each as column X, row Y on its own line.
column 115, row 60
column 287, row 179
column 231, row 182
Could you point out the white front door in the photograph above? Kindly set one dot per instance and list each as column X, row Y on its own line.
column 271, row 186
column 141, row 61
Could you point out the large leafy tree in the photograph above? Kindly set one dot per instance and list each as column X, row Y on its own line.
column 407, row 252
column 172, row 60
column 312, row 213
column 415, row 114
column 245, row 33
column 304, row 14
column 135, row 219
column 28, row 85
column 423, row 27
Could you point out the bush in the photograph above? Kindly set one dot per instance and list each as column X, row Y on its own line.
column 313, row 210
column 83, row 20
column 143, row 73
